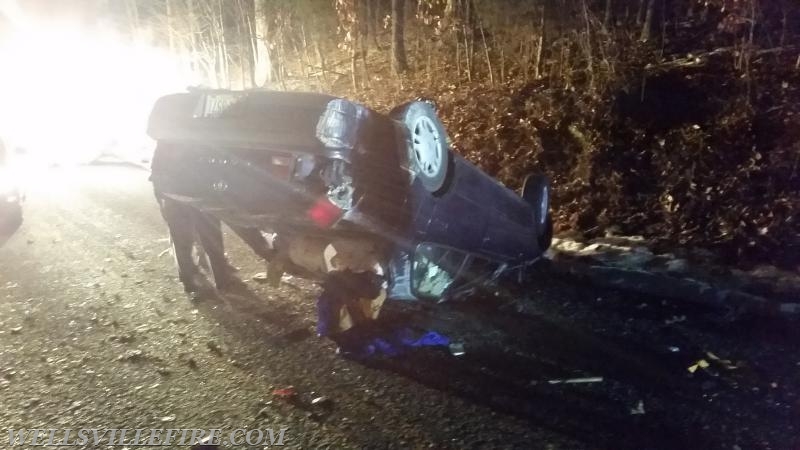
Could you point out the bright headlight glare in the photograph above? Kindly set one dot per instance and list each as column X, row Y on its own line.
column 71, row 92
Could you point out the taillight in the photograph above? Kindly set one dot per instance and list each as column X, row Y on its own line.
column 324, row 213
column 282, row 166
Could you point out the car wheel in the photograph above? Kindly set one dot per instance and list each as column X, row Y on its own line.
column 546, row 237
column 536, row 191
column 429, row 149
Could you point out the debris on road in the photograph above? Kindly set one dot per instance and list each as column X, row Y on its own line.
column 457, row 349
column 700, row 364
column 260, row 277
column 206, row 444
column 789, row 308
column 639, row 410
column 576, row 380
column 74, row 406
column 263, row 413
column 15, row 330
column 322, row 401
column 131, row 356
column 192, row 363
column 625, row 263
column 675, row 319
column 286, row 393
column 389, row 342
column 214, row 348
column 724, row 363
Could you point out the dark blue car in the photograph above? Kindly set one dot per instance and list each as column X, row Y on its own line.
column 344, row 187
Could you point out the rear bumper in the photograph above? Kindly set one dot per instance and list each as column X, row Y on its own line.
column 290, row 215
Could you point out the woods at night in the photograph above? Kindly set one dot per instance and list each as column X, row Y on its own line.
column 649, row 115
column 400, row 223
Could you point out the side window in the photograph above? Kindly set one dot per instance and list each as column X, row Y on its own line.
column 434, row 268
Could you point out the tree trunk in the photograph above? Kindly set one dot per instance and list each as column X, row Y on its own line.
column 486, row 53
column 243, row 45
column 132, row 11
column 589, row 52
column 399, row 62
column 194, row 63
column 247, row 51
column 362, row 18
column 640, row 12
column 608, row 14
column 224, row 64
column 170, row 27
column 373, row 18
column 263, row 64
column 648, row 21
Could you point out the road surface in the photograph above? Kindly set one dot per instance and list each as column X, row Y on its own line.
column 95, row 332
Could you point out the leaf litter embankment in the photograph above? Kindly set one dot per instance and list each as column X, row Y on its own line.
column 687, row 153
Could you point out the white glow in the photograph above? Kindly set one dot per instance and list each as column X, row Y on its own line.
column 8, row 182
column 69, row 94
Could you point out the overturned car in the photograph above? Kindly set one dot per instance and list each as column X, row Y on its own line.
column 345, row 188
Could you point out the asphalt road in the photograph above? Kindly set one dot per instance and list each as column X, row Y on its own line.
column 95, row 332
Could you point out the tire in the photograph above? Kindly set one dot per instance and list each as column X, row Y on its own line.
column 429, row 149
column 546, row 237
column 536, row 191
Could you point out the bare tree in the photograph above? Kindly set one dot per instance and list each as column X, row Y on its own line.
column 399, row 62
column 373, row 17
column 648, row 21
column 263, row 64
column 170, row 13
column 608, row 13
column 132, row 13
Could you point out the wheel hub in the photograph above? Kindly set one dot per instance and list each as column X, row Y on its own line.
column 427, row 146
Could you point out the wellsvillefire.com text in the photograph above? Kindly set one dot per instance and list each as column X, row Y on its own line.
column 143, row 437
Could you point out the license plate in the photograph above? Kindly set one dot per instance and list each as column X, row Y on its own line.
column 216, row 105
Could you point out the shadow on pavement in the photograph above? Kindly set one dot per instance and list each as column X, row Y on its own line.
column 513, row 383
column 518, row 365
column 516, row 380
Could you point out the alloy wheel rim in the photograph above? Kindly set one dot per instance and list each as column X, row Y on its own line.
column 427, row 146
